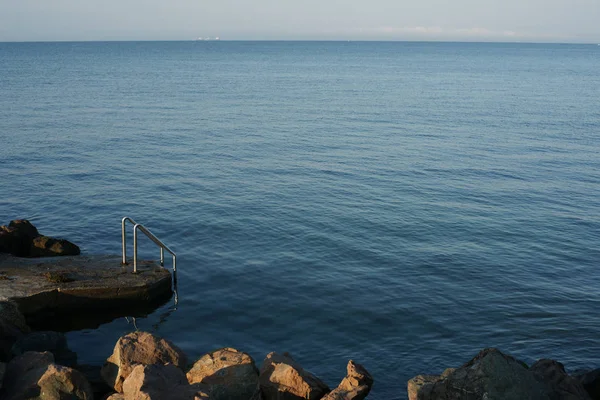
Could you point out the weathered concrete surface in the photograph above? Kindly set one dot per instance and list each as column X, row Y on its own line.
column 47, row 284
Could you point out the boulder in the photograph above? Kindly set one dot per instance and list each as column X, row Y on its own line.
column 115, row 396
column 591, row 382
column 54, row 342
column 25, row 363
column 139, row 348
column 16, row 238
column 228, row 374
column 20, row 238
column 355, row 386
column 12, row 327
column 562, row 386
column 44, row 246
column 489, row 375
column 282, row 378
column 156, row 382
column 33, row 375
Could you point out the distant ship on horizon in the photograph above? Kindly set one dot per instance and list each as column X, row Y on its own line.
column 200, row 38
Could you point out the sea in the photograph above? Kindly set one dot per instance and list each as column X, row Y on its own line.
column 400, row 204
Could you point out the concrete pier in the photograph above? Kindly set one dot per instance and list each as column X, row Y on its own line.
column 59, row 284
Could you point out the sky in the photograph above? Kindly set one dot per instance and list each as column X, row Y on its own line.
column 564, row 21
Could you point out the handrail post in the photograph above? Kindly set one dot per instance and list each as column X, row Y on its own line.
column 135, row 228
column 123, row 244
column 175, row 273
column 162, row 256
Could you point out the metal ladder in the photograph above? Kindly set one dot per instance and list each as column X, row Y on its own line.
column 139, row 227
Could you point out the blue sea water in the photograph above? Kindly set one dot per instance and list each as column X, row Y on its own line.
column 400, row 204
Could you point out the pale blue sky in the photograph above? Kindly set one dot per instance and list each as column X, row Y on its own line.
column 471, row 20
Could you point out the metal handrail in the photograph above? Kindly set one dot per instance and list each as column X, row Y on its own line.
column 151, row 236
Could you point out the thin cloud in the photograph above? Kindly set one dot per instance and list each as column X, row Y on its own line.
column 471, row 33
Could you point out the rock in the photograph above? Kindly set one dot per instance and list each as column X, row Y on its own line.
column 20, row 238
column 281, row 378
column 33, row 375
column 139, row 348
column 591, row 382
column 82, row 290
column 54, row 342
column 562, row 386
column 44, row 246
column 60, row 382
column 228, row 373
column 355, row 386
column 415, row 384
column 115, row 396
column 2, row 371
column 22, row 366
column 25, row 363
column 16, row 238
column 9, row 312
column 12, row 327
column 156, row 382
column 489, row 375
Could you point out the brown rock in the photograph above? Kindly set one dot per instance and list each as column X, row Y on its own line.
column 34, row 376
column 116, row 396
column 228, row 373
column 281, row 378
column 355, row 386
column 157, row 382
column 60, row 382
column 44, row 246
column 563, row 386
column 139, row 348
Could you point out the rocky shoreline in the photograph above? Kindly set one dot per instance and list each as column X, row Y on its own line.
column 39, row 364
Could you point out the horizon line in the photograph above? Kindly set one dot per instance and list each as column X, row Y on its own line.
column 301, row 40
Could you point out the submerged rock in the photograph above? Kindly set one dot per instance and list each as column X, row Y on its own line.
column 139, row 348
column 282, row 378
column 228, row 374
column 355, row 386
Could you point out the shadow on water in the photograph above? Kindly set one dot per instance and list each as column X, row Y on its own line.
column 73, row 319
